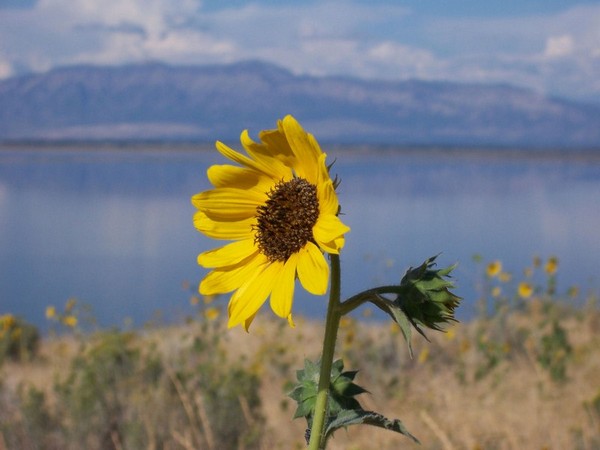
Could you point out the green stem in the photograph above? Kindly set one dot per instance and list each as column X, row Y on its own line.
column 370, row 295
column 317, row 435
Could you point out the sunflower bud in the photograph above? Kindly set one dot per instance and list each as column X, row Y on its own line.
column 425, row 298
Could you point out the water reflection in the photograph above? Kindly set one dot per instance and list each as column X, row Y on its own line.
column 113, row 228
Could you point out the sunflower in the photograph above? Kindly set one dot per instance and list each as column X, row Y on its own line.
column 279, row 207
column 551, row 265
column 494, row 268
column 525, row 290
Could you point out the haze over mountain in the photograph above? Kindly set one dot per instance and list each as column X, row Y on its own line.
column 204, row 103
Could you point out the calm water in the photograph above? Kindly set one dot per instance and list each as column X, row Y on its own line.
column 113, row 227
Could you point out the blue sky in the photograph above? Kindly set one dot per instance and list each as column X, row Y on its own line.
column 550, row 46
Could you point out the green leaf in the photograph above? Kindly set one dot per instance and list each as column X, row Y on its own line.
column 362, row 417
column 342, row 390
column 343, row 409
column 404, row 322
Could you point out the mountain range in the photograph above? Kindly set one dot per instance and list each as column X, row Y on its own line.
column 155, row 101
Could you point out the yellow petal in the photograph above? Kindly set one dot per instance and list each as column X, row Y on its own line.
column 250, row 296
column 323, row 172
column 313, row 270
column 305, row 148
column 276, row 143
column 228, row 255
column 328, row 232
column 237, row 177
column 231, row 154
column 283, row 289
column 328, row 200
column 227, row 279
column 260, row 165
column 225, row 229
column 290, row 320
column 229, row 203
column 267, row 156
column 248, row 322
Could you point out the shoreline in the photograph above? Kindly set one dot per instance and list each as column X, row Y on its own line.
column 335, row 149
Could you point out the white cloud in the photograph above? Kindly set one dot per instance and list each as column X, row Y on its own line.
column 163, row 32
column 553, row 53
column 59, row 32
column 405, row 61
column 557, row 53
column 5, row 69
column 559, row 46
column 155, row 16
column 332, row 37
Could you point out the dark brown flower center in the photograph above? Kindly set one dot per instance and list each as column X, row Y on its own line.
column 285, row 222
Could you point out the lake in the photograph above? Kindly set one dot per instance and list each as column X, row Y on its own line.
column 112, row 225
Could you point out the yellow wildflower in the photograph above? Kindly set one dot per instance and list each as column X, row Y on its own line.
column 50, row 312
column 7, row 321
column 505, row 277
column 70, row 321
column 70, row 304
column 423, row 355
column 525, row 290
column 16, row 334
column 280, row 209
column 208, row 299
column 496, row 291
column 349, row 338
column 494, row 268
column 211, row 313
column 346, row 322
column 551, row 265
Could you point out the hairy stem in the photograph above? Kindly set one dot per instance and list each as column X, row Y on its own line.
column 332, row 323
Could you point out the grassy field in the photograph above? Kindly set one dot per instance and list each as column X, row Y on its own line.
column 524, row 374
column 528, row 381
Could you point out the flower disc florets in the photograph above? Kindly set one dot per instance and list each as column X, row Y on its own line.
column 285, row 222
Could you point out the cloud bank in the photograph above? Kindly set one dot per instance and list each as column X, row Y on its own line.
column 556, row 53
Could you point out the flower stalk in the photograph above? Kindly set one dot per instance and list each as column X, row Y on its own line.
column 332, row 324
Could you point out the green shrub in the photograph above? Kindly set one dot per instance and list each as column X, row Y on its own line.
column 554, row 352
column 18, row 339
column 94, row 396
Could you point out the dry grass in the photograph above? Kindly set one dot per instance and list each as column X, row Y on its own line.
column 514, row 405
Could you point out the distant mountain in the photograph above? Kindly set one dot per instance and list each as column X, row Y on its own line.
column 157, row 101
